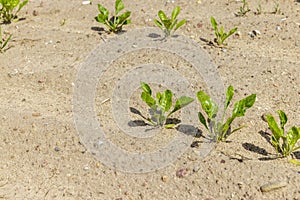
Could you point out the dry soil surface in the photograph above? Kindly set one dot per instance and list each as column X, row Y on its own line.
column 41, row 153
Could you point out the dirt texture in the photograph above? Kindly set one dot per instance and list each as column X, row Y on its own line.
column 41, row 153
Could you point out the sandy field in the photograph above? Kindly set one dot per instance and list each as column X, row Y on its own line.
column 43, row 156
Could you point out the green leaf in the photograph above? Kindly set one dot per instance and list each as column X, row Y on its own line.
column 202, row 119
column 214, row 23
column 180, row 103
column 6, row 41
column 103, row 11
column 118, row 6
column 276, row 131
column 128, row 21
column 158, row 23
column 175, row 12
column 234, row 130
column 169, row 126
column 158, row 96
column 162, row 16
column 101, row 18
column 229, row 95
column 146, row 88
column 227, row 124
column 181, row 23
column 22, row 5
column 293, row 161
column 165, row 102
column 146, row 97
column 208, row 105
column 172, row 24
column 232, row 31
column 225, row 35
column 122, row 18
column 221, row 32
column 241, row 106
column 167, row 24
column 293, row 136
column 283, row 118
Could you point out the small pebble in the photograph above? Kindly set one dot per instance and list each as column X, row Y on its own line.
column 36, row 114
column 273, row 186
column 34, row 13
column 256, row 32
column 57, row 149
column 196, row 169
column 86, row 2
column 181, row 173
column 85, row 168
column 238, row 34
column 164, row 178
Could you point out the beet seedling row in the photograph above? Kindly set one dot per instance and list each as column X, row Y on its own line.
column 285, row 143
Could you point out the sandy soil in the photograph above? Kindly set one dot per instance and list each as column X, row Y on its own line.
column 42, row 157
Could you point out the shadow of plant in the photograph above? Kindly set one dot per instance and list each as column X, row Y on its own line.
column 296, row 154
column 189, row 130
column 135, row 123
column 185, row 129
column 100, row 30
column 254, row 148
column 266, row 135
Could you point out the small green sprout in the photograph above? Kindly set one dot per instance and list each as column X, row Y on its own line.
column 276, row 9
column 258, row 9
column 7, row 13
column 3, row 42
column 244, row 9
column 116, row 22
column 221, row 36
column 161, row 105
column 218, row 130
column 169, row 24
column 284, row 143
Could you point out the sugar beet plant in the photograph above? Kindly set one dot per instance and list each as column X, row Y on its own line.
column 220, row 34
column 283, row 142
column 167, row 24
column 10, row 9
column 220, row 130
column 116, row 22
column 160, row 106
column 244, row 9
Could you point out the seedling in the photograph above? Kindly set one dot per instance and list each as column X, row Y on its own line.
column 160, row 107
column 276, row 9
column 116, row 22
column 258, row 9
column 167, row 24
column 244, row 9
column 284, row 143
column 3, row 42
column 7, row 13
column 221, row 36
column 218, row 130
